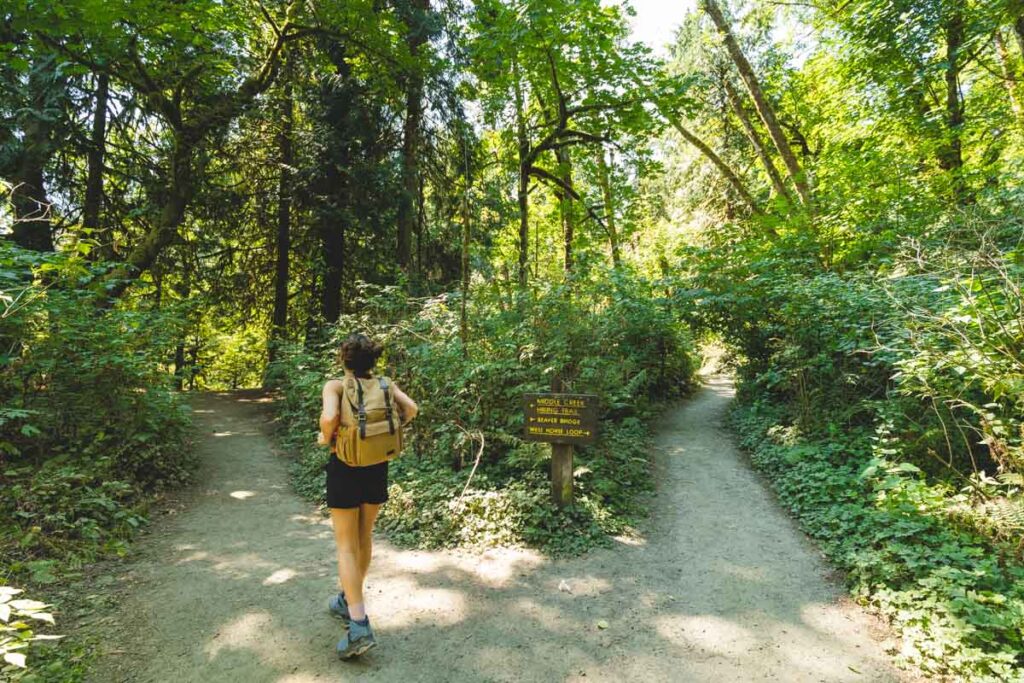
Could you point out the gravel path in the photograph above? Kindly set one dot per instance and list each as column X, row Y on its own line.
column 723, row 588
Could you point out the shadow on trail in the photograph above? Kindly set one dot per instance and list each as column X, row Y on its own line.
column 723, row 589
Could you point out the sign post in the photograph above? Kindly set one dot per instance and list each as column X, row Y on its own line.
column 561, row 420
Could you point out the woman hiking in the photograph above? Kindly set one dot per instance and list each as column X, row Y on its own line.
column 361, row 420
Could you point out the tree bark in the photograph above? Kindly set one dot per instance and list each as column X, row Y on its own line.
column 722, row 167
column 755, row 139
column 466, row 274
column 566, row 206
column 333, row 241
column 951, row 153
column 416, row 36
column 33, row 228
column 165, row 228
column 764, row 108
column 94, row 180
column 1011, row 76
column 279, row 323
column 604, row 178
column 524, row 179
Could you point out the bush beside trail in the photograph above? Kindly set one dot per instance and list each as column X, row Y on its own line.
column 883, row 401
column 615, row 338
column 90, row 430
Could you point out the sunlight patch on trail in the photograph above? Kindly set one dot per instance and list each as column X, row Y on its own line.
column 245, row 632
column 710, row 633
column 438, row 606
column 280, row 576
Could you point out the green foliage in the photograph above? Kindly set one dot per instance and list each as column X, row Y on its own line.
column 955, row 598
column 612, row 338
column 962, row 350
column 934, row 332
column 17, row 632
column 90, row 426
column 880, row 401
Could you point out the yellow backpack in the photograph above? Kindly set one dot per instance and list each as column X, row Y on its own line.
column 375, row 434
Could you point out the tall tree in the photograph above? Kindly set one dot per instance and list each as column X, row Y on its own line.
column 569, row 74
column 604, row 179
column 40, row 117
column 286, row 113
column 195, row 90
column 764, row 108
column 94, row 184
column 415, row 16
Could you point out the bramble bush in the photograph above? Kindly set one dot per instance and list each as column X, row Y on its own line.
column 89, row 426
column 956, row 600
column 613, row 337
column 883, row 400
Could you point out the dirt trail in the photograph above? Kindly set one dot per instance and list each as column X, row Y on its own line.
column 722, row 589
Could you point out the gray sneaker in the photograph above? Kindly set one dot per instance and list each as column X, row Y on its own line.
column 358, row 640
column 339, row 607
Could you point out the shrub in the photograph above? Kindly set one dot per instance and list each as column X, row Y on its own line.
column 614, row 338
column 89, row 426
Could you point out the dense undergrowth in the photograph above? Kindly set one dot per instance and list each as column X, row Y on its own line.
column 90, row 429
column 614, row 337
column 883, row 398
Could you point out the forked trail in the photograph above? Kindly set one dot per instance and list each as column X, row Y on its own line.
column 723, row 588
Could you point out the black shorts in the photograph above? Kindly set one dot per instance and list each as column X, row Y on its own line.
column 349, row 487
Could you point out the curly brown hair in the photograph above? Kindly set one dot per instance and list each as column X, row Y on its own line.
column 359, row 354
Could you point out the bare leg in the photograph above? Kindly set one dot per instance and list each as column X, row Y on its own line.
column 367, row 518
column 346, row 538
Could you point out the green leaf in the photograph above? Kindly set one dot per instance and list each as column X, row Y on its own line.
column 15, row 659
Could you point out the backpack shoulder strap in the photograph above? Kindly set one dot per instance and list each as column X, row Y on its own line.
column 388, row 412
column 360, row 407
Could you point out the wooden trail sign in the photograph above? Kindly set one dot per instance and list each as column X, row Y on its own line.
column 561, row 420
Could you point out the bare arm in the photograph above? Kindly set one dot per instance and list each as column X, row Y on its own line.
column 330, row 416
column 406, row 406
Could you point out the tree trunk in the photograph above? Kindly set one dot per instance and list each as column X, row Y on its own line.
column 464, row 266
column 279, row 323
column 755, row 139
column 183, row 289
column 1011, row 76
column 722, row 167
column 566, row 206
column 165, row 227
column 1018, row 32
column 416, row 36
column 32, row 228
column 94, row 181
column 764, row 108
column 604, row 178
column 524, row 180
column 333, row 241
column 32, row 225
column 312, row 326
column 951, row 153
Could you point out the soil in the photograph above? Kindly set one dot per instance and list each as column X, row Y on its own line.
column 721, row 587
